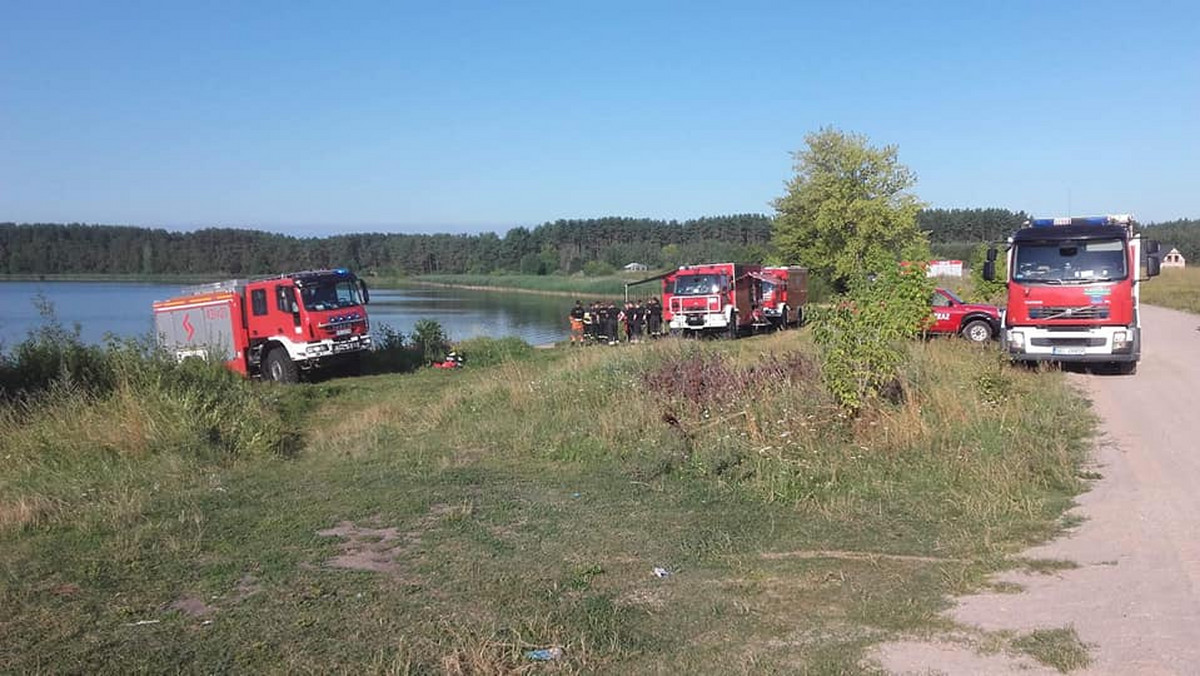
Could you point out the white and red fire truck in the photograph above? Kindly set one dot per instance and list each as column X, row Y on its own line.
column 1073, row 288
column 731, row 298
column 272, row 328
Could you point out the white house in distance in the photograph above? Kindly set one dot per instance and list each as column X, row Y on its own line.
column 1173, row 259
column 635, row 267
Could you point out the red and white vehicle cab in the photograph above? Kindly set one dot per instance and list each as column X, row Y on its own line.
column 977, row 322
column 1073, row 288
column 716, row 297
column 272, row 328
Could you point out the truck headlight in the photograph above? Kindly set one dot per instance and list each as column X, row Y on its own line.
column 1120, row 340
column 1016, row 339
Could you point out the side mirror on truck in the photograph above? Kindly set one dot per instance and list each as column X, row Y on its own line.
column 989, row 266
column 1153, row 258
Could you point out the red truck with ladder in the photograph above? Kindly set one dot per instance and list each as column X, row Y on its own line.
column 1073, row 288
column 731, row 298
column 273, row 328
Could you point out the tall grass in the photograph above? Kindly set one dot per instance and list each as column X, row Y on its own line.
column 75, row 417
column 1174, row 288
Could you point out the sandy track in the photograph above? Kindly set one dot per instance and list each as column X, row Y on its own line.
column 1136, row 594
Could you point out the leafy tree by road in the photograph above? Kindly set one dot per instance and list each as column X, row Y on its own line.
column 847, row 204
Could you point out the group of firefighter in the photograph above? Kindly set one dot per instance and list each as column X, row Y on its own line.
column 609, row 323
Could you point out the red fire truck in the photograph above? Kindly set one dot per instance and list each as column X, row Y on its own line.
column 730, row 298
column 272, row 328
column 1073, row 290
column 711, row 298
column 784, row 294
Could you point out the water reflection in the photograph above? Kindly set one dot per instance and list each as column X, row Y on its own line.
column 123, row 308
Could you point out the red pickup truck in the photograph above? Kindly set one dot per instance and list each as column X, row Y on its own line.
column 952, row 315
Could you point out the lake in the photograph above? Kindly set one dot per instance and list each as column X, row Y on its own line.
column 123, row 308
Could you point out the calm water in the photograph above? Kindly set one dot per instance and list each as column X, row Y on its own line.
column 123, row 308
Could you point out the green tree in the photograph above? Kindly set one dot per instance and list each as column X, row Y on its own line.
column 847, row 204
column 863, row 335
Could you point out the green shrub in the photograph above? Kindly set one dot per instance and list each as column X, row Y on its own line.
column 390, row 352
column 862, row 337
column 430, row 338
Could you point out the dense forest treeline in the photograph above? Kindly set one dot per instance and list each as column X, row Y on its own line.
column 593, row 246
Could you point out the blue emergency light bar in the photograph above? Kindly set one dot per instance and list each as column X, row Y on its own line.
column 1121, row 219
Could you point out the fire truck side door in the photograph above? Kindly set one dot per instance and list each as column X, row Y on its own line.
column 284, row 318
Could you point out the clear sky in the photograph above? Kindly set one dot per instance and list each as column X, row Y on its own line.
column 319, row 117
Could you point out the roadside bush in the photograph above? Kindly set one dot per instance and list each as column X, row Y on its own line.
column 862, row 338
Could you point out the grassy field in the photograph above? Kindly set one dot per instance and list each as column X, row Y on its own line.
column 1179, row 289
column 591, row 287
column 449, row 522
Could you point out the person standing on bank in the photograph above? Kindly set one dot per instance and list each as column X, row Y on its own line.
column 575, row 317
column 638, row 323
column 654, row 317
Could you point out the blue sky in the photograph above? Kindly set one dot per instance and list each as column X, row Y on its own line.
column 327, row 117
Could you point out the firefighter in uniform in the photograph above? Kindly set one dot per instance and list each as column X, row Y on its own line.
column 575, row 317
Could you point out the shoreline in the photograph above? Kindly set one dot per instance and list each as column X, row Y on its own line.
column 540, row 292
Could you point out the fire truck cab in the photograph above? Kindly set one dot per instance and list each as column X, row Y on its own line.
column 1073, row 290
column 274, row 328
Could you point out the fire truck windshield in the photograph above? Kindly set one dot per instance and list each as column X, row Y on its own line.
column 1069, row 262
column 330, row 294
column 700, row 285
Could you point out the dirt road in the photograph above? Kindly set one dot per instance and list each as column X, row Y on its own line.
column 1136, row 594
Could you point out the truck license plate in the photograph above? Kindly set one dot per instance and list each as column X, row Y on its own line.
column 343, row 332
column 342, row 347
column 1067, row 350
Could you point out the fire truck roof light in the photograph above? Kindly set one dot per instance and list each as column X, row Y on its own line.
column 1111, row 219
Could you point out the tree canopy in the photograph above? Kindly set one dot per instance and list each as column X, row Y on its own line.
column 558, row 246
column 848, row 203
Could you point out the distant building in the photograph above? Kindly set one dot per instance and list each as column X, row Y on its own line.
column 945, row 269
column 1173, row 259
column 635, row 267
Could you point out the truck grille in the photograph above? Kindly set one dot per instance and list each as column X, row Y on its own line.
column 1067, row 342
column 1076, row 312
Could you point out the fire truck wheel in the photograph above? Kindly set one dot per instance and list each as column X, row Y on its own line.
column 783, row 317
column 977, row 331
column 280, row 367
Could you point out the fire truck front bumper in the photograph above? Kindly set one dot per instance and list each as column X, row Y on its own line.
column 698, row 321
column 1073, row 344
column 329, row 348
